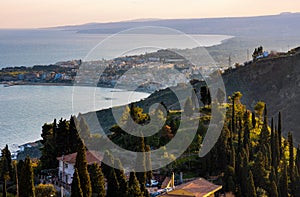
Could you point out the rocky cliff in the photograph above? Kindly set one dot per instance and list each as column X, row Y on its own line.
column 274, row 80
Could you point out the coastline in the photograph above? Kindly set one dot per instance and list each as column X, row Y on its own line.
column 23, row 83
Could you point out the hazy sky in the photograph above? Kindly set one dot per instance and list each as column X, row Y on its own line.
column 45, row 13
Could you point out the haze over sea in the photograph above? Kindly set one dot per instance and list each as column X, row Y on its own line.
column 24, row 109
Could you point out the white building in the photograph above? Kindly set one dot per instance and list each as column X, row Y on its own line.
column 67, row 163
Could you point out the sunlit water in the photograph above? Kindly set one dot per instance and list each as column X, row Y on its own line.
column 24, row 109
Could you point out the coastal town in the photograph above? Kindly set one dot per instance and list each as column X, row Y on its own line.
column 144, row 72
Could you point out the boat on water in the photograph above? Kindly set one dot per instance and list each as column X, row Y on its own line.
column 8, row 84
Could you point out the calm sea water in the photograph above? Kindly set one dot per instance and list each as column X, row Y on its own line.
column 33, row 47
column 24, row 109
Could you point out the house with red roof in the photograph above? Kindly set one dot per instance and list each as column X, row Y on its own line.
column 67, row 163
column 197, row 188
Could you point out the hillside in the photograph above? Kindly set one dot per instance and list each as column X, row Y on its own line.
column 275, row 81
column 282, row 25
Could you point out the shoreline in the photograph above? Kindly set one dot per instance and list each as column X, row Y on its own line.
column 142, row 90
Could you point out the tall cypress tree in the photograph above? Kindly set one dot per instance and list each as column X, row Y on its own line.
column 280, row 133
column 291, row 157
column 76, row 190
column 253, row 120
column 107, row 163
column 134, row 188
column 97, row 180
column 264, row 133
column 26, row 183
column 251, row 191
column 148, row 164
column 121, row 178
column 6, row 153
column 298, row 159
column 141, row 161
column 113, row 187
column 81, row 165
column 233, row 128
column 283, row 182
column 273, row 189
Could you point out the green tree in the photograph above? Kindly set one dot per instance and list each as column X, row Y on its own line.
column 120, row 174
column 45, row 190
column 148, row 164
column 291, row 157
column 85, row 133
column 48, row 158
column 76, row 187
column 253, row 119
column 251, row 191
column 280, row 133
column 134, row 188
column 273, row 189
column 113, row 187
column 188, row 107
column 97, row 180
column 298, row 158
column 106, row 164
column 26, row 184
column 205, row 96
column 283, row 182
column 259, row 171
column 259, row 108
column 81, row 165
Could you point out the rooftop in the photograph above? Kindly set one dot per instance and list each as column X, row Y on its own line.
column 91, row 157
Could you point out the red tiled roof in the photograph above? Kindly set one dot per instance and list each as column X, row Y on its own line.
column 198, row 188
column 91, row 157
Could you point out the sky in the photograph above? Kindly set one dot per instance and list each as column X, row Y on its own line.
column 49, row 13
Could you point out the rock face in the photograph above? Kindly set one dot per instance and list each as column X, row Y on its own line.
column 275, row 81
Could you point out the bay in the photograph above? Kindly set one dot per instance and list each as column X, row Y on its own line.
column 24, row 109
column 47, row 46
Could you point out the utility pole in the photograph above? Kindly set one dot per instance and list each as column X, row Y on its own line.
column 229, row 61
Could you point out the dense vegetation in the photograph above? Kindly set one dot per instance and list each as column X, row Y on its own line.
column 251, row 158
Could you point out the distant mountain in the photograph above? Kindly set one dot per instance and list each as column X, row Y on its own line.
column 281, row 25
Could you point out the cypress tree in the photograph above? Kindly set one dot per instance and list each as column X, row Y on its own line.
column 277, row 150
column 188, row 107
column 273, row 189
column 233, row 128
column 253, row 120
column 148, row 164
column 134, row 188
column 75, row 187
column 251, row 191
column 273, row 152
column 246, row 140
column 280, row 133
column 259, row 170
column 106, row 164
column 26, row 184
column 141, row 162
column 264, row 133
column 283, row 182
column 81, row 165
column 291, row 157
column 113, row 187
column 121, row 178
column 298, row 159
column 74, row 138
column 6, row 153
column 97, row 180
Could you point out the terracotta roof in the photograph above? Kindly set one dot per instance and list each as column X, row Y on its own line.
column 91, row 157
column 197, row 188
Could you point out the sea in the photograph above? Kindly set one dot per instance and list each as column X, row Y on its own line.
column 24, row 109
